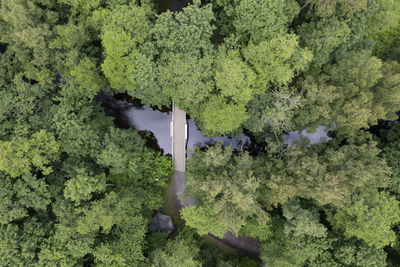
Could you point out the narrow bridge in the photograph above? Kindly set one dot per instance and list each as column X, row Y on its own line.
column 179, row 139
column 179, row 136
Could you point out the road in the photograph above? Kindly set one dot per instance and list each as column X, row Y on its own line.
column 179, row 154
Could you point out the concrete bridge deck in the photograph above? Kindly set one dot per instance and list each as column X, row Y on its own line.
column 179, row 139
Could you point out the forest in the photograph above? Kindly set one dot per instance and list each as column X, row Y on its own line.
column 76, row 189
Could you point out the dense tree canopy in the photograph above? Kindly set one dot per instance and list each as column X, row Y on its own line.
column 224, row 188
column 77, row 190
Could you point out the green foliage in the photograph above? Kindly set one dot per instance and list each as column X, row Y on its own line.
column 20, row 242
column 185, row 32
column 229, row 118
column 387, row 92
column 326, row 8
column 390, row 144
column 65, row 245
column 224, row 188
column 204, row 220
column 186, row 78
column 129, row 161
column 288, row 248
column 25, row 108
column 20, row 155
column 322, row 37
column 76, row 191
column 20, row 195
column 125, row 246
column 129, row 57
column 326, row 173
column 318, row 96
column 122, row 150
column 302, row 221
column 178, row 253
column 273, row 111
column 386, row 16
column 233, row 77
column 353, row 253
column 83, row 186
column 277, row 60
column 355, row 94
column 87, row 76
column 367, row 213
column 385, row 41
column 26, row 26
column 262, row 232
column 78, row 123
column 260, row 20
column 185, row 66
column 127, row 27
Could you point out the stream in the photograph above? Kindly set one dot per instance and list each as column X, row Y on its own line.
column 132, row 114
column 156, row 124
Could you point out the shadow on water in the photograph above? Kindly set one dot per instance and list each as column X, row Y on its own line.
column 119, row 107
column 155, row 125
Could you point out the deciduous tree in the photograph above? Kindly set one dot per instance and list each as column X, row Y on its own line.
column 224, row 188
column 369, row 217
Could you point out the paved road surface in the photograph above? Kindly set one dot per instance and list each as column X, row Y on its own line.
column 179, row 154
column 179, row 139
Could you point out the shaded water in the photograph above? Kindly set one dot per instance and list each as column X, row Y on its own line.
column 128, row 114
column 319, row 136
column 147, row 119
column 132, row 114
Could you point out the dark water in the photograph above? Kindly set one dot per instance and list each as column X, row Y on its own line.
column 128, row 113
column 155, row 126
column 319, row 136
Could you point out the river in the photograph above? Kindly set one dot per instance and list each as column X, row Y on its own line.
column 132, row 114
column 129, row 113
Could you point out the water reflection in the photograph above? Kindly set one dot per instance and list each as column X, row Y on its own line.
column 159, row 123
column 320, row 135
column 128, row 114
column 147, row 119
column 195, row 138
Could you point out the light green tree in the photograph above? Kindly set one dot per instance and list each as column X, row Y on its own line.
column 19, row 242
column 187, row 78
column 185, row 32
column 277, row 60
column 229, row 118
column 387, row 90
column 186, row 66
column 369, row 217
column 26, row 26
column 273, row 112
column 84, row 185
column 126, row 27
column 178, row 252
column 21, row 155
column 326, row 173
column 233, row 77
column 288, row 248
column 262, row 20
column 124, row 247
